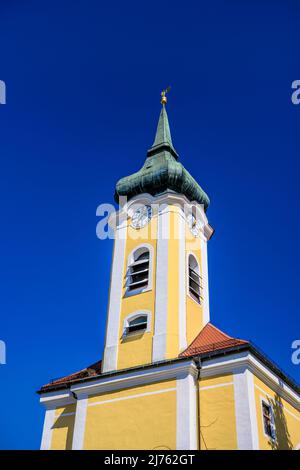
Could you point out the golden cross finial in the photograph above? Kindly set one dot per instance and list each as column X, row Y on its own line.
column 163, row 95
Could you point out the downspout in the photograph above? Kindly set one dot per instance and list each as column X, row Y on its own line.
column 198, row 365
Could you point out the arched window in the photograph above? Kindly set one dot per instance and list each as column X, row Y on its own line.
column 138, row 271
column 137, row 324
column 195, row 287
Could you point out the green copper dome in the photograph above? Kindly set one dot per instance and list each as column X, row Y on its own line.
column 162, row 171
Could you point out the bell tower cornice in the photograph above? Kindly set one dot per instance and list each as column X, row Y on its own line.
column 161, row 170
column 171, row 198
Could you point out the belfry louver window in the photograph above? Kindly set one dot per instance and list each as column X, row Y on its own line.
column 138, row 275
column 195, row 286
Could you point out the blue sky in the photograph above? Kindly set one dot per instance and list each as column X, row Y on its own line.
column 83, row 82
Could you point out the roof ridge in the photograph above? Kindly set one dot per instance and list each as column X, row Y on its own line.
column 220, row 331
column 205, row 341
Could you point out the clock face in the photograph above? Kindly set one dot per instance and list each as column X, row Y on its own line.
column 194, row 225
column 141, row 216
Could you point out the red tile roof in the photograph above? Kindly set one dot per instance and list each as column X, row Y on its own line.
column 208, row 340
column 211, row 339
column 90, row 371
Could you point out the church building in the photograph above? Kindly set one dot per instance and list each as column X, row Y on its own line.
column 168, row 378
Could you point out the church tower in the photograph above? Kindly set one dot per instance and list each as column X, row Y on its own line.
column 159, row 298
column 168, row 379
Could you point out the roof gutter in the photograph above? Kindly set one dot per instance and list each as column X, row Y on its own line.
column 197, row 357
column 67, row 385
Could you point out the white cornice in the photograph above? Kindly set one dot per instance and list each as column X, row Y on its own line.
column 116, row 382
column 208, row 231
column 168, row 197
column 232, row 363
column 57, row 398
column 210, row 367
column 135, row 378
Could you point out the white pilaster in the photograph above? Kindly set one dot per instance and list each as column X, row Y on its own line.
column 115, row 298
column 48, row 429
column 186, row 423
column 245, row 410
column 161, row 285
column 204, row 271
column 182, row 284
column 80, row 421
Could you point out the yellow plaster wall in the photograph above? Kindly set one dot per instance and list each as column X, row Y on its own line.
column 217, row 413
column 194, row 311
column 63, row 427
column 287, row 419
column 137, row 349
column 137, row 418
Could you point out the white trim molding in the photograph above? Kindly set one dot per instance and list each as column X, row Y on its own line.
column 51, row 401
column 161, row 285
column 110, row 356
column 79, row 425
column 130, row 397
column 134, row 378
column 186, row 423
column 211, row 387
column 182, row 286
column 48, row 429
column 205, row 282
column 232, row 362
column 56, row 399
column 245, row 410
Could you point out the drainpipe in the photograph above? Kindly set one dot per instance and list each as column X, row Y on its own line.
column 198, row 365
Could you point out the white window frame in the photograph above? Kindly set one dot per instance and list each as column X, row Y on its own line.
column 130, row 261
column 265, row 401
column 133, row 316
column 190, row 253
column 193, row 210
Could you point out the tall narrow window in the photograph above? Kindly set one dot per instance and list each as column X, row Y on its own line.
column 194, row 279
column 269, row 426
column 138, row 272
